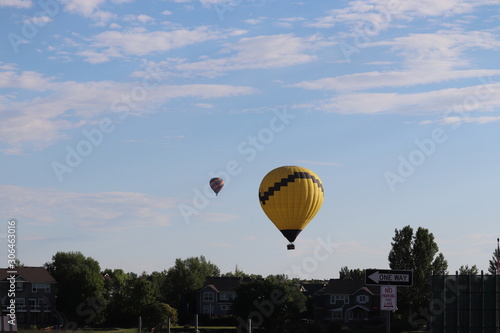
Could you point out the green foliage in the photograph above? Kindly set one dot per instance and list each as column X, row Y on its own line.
column 465, row 270
column 493, row 267
column 351, row 274
column 182, row 282
column 131, row 297
column 417, row 252
column 157, row 315
column 80, row 287
column 270, row 303
column 187, row 276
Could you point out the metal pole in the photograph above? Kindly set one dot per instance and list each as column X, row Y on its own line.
column 140, row 324
column 249, row 325
column 387, row 321
column 168, row 327
column 196, row 323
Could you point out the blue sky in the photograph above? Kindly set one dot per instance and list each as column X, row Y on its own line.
column 115, row 114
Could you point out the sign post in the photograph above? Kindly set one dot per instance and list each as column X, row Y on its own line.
column 388, row 298
column 388, row 280
column 377, row 277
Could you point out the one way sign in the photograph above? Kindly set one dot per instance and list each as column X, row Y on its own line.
column 377, row 277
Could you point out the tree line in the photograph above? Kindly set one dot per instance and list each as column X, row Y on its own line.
column 90, row 296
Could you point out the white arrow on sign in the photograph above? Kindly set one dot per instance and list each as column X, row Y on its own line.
column 389, row 277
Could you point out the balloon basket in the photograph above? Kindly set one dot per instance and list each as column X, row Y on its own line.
column 290, row 246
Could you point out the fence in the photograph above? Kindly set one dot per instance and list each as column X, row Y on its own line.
column 465, row 303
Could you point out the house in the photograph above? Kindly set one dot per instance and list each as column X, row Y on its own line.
column 215, row 299
column 314, row 292
column 33, row 289
column 350, row 300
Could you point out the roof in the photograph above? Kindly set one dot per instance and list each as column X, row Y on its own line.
column 225, row 283
column 313, row 288
column 360, row 307
column 30, row 274
column 348, row 287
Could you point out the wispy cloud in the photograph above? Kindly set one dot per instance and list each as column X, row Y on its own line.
column 16, row 3
column 139, row 42
column 383, row 13
column 41, row 121
column 438, row 101
column 261, row 52
column 95, row 211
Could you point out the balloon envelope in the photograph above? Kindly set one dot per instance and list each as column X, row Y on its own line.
column 291, row 196
column 216, row 184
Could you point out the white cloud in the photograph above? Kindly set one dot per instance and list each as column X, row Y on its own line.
column 260, row 52
column 39, row 20
column 96, row 211
column 428, row 58
column 86, row 8
column 16, row 3
column 43, row 120
column 255, row 21
column 26, row 80
column 102, row 17
column 481, row 98
column 141, row 18
column 382, row 13
column 371, row 80
column 116, row 44
column 458, row 120
column 441, row 50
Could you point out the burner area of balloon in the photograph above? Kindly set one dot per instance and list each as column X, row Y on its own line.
column 290, row 246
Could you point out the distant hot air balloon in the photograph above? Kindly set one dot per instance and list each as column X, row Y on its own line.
column 216, row 184
column 291, row 196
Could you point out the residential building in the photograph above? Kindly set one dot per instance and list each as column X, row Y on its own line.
column 216, row 298
column 350, row 301
column 34, row 295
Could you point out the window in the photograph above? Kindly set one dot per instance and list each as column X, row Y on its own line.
column 362, row 299
column 339, row 299
column 19, row 286
column 20, row 304
column 225, row 307
column 208, row 297
column 227, row 295
column 33, row 304
column 40, row 286
column 43, row 304
column 337, row 315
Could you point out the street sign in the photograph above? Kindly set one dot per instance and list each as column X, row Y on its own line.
column 388, row 298
column 377, row 277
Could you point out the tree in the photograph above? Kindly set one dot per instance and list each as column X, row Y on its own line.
column 400, row 256
column 131, row 296
column 237, row 273
column 493, row 268
column 80, row 287
column 416, row 252
column 183, row 280
column 157, row 315
column 117, row 284
column 440, row 265
column 351, row 274
column 270, row 303
column 465, row 270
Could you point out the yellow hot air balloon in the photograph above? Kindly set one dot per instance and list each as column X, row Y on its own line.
column 291, row 196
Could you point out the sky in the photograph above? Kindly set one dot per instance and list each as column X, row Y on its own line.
column 115, row 114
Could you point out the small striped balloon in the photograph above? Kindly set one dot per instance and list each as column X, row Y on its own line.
column 216, row 184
